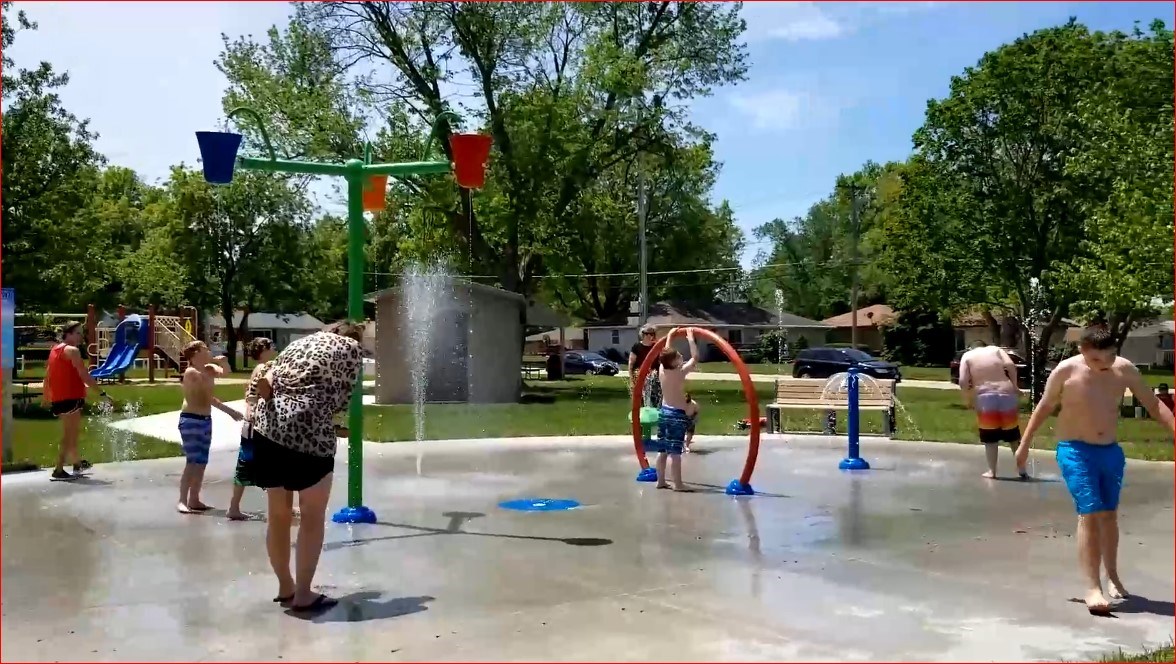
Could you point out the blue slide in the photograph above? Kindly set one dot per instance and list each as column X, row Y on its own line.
column 128, row 339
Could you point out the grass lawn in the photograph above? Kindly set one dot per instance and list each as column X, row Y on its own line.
column 599, row 405
column 1165, row 654
column 35, row 438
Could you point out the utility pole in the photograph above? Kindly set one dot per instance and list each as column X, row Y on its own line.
column 855, row 220
column 643, row 249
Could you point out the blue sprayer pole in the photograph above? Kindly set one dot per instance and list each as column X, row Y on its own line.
column 854, row 460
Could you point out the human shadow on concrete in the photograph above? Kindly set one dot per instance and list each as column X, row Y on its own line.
column 1137, row 604
column 86, row 481
column 365, row 606
column 456, row 521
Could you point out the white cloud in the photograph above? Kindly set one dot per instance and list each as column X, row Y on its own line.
column 777, row 110
column 790, row 21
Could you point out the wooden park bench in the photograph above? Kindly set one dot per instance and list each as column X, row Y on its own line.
column 809, row 394
column 534, row 369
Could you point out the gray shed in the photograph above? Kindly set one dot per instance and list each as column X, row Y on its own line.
column 463, row 339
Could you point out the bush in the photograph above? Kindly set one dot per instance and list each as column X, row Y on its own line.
column 1059, row 353
column 920, row 338
column 773, row 346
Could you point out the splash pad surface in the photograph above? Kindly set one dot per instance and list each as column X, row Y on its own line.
column 921, row 554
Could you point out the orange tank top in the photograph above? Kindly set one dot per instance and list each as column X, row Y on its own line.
column 64, row 382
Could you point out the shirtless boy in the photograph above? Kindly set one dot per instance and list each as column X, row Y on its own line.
column 196, row 421
column 673, row 420
column 1089, row 388
column 692, row 411
column 988, row 380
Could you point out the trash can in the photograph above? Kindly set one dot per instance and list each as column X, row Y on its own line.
column 555, row 370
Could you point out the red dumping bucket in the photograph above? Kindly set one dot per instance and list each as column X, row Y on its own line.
column 375, row 193
column 470, row 154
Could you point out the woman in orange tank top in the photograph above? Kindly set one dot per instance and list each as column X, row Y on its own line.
column 65, row 386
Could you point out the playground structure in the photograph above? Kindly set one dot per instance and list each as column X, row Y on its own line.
column 366, row 191
column 113, row 350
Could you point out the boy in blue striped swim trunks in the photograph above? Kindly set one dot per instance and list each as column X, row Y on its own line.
column 196, row 421
column 1089, row 388
column 673, row 420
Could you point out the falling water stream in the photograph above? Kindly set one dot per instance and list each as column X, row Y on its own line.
column 424, row 288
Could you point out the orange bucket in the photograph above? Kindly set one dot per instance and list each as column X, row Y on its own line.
column 470, row 154
column 375, row 192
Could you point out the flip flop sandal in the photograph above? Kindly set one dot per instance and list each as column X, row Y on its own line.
column 320, row 603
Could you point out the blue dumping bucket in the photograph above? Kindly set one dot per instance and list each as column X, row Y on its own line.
column 218, row 153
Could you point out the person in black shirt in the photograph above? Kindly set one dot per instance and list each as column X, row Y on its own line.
column 652, row 392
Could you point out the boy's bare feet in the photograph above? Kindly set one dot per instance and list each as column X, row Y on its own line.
column 199, row 506
column 682, row 488
column 238, row 516
column 1117, row 591
column 662, row 486
column 1096, row 603
column 183, row 509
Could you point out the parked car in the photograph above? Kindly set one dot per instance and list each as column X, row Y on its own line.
column 825, row 361
column 1015, row 356
column 615, row 355
column 594, row 364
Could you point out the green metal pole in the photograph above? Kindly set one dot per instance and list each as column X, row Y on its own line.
column 355, row 242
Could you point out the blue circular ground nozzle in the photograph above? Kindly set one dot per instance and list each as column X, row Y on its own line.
column 647, row 475
column 358, row 514
column 853, row 463
column 539, row 504
column 737, row 488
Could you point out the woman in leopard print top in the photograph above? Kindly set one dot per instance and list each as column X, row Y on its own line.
column 294, row 439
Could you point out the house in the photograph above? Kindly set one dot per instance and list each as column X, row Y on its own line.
column 971, row 326
column 871, row 321
column 1150, row 345
column 281, row 328
column 542, row 343
column 463, row 347
column 740, row 323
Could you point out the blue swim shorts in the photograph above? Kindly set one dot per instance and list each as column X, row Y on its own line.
column 196, row 437
column 672, row 424
column 1093, row 474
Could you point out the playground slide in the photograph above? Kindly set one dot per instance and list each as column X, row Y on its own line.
column 127, row 342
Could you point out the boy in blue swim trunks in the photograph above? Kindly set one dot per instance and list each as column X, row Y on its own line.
column 673, row 420
column 196, row 421
column 1089, row 388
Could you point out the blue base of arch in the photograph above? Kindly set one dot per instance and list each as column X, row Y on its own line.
column 539, row 504
column 737, row 488
column 853, row 463
column 358, row 514
column 647, row 475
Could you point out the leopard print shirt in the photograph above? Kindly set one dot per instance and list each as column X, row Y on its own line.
column 313, row 379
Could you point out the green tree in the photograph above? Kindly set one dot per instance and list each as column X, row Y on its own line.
column 51, row 171
column 562, row 88
column 989, row 205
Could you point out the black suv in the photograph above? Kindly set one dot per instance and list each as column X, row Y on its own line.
column 1015, row 356
column 824, row 362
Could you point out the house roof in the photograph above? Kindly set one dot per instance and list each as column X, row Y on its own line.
column 553, row 334
column 718, row 314
column 1154, row 329
column 975, row 318
column 263, row 320
column 871, row 316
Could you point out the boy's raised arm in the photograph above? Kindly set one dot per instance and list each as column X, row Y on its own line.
column 688, row 365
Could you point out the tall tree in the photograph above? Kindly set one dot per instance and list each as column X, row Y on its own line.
column 564, row 89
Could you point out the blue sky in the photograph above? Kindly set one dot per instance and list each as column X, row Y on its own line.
column 831, row 86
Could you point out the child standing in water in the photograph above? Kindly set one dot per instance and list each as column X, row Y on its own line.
column 692, row 412
column 673, row 420
column 262, row 351
column 196, row 421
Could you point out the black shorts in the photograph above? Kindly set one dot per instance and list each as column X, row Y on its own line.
column 994, row 436
column 274, row 466
column 59, row 408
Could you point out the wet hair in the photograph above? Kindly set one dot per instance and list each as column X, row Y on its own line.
column 1162, row 387
column 689, row 398
column 69, row 328
column 346, row 329
column 669, row 356
column 1097, row 337
column 191, row 349
column 259, row 345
